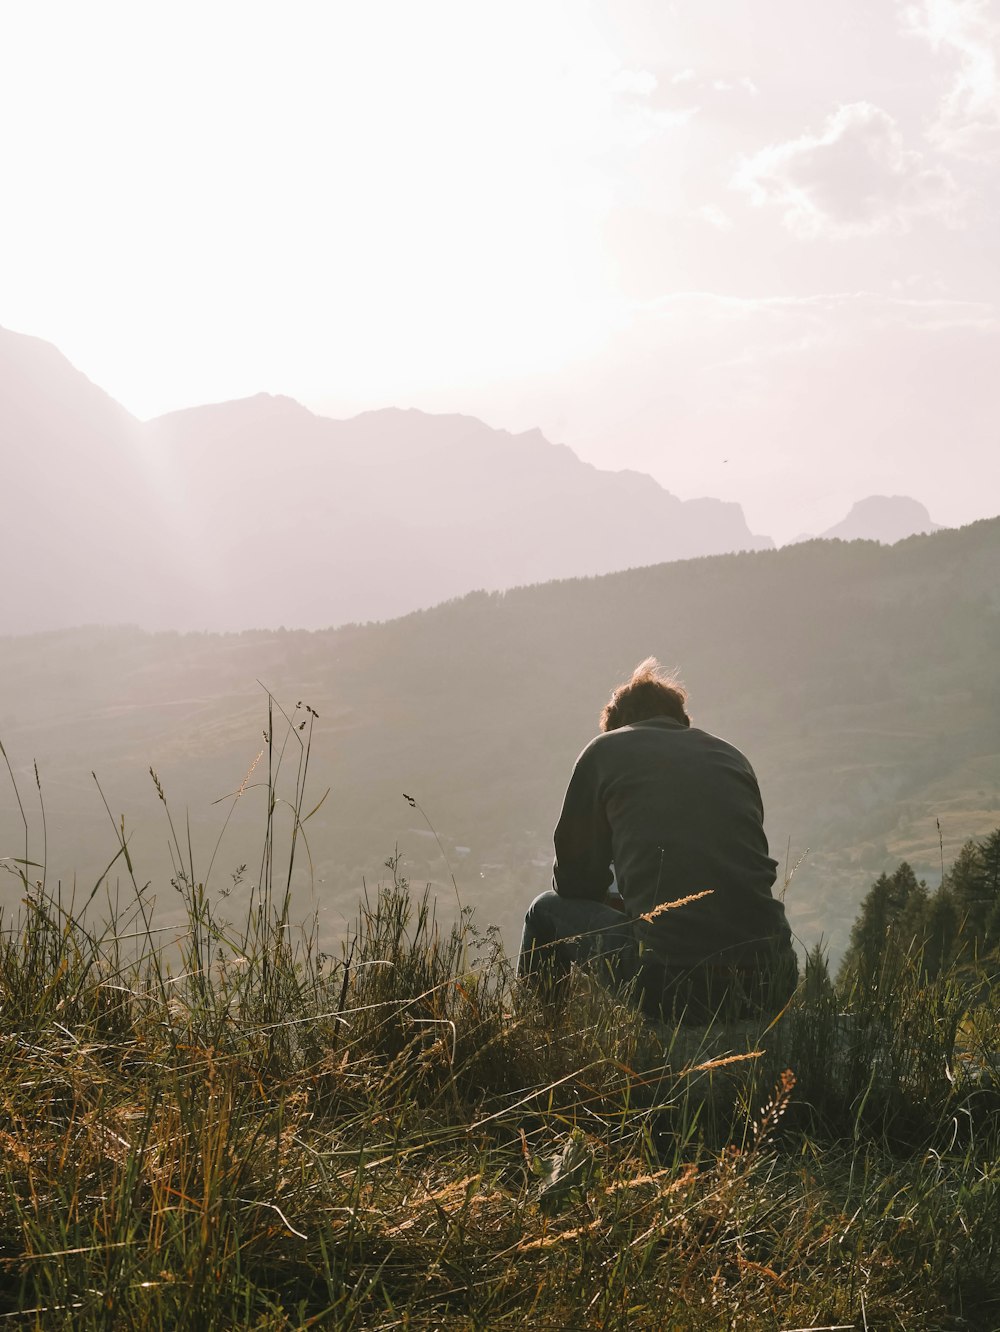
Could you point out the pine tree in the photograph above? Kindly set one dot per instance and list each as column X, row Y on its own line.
column 964, row 880
column 910, row 926
column 817, row 985
column 889, row 923
column 867, row 932
column 941, row 936
column 993, row 928
column 989, row 888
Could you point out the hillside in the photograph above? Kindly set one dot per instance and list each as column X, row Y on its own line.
column 259, row 513
column 860, row 679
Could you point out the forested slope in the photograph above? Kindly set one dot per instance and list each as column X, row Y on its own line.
column 861, row 681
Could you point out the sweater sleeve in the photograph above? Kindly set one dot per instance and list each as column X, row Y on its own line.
column 582, row 867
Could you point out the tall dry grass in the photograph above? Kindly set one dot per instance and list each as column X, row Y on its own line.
column 219, row 1125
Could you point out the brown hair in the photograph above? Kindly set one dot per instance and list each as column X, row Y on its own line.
column 651, row 692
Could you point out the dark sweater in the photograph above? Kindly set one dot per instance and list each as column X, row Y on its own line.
column 678, row 811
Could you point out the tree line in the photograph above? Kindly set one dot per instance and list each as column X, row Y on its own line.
column 957, row 923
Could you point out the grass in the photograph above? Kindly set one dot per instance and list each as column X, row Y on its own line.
column 221, row 1125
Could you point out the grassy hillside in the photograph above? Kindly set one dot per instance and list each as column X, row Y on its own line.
column 227, row 1127
column 212, row 1120
column 859, row 679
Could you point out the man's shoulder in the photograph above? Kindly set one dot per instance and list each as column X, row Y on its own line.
column 709, row 741
column 690, row 740
column 594, row 748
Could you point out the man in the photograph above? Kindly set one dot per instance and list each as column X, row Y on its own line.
column 677, row 813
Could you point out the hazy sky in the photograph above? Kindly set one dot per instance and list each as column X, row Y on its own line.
column 750, row 246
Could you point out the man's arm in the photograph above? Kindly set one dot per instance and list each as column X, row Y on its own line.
column 582, row 867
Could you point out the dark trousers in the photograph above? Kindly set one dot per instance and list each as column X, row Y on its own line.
column 561, row 932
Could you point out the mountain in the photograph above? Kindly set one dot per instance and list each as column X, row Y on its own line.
column 311, row 522
column 884, row 518
column 258, row 512
column 77, row 539
column 860, row 680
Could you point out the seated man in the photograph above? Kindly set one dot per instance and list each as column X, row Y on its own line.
column 678, row 814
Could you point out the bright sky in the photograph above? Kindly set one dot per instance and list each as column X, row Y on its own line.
column 749, row 246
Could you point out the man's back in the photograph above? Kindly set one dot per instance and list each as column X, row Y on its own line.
column 679, row 812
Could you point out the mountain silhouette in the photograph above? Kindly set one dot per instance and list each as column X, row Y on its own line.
column 883, row 518
column 79, row 543
column 260, row 513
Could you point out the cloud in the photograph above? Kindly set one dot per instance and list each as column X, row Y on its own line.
column 631, row 118
column 634, row 82
column 855, row 178
column 715, row 217
column 744, row 84
column 968, row 120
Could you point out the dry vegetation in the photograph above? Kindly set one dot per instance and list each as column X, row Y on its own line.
column 221, row 1126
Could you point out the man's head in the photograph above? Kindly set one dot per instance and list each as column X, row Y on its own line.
column 651, row 692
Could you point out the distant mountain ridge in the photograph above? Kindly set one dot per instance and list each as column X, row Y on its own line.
column 396, row 510
column 77, row 539
column 260, row 513
column 883, row 518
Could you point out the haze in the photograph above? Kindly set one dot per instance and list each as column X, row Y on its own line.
column 749, row 249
